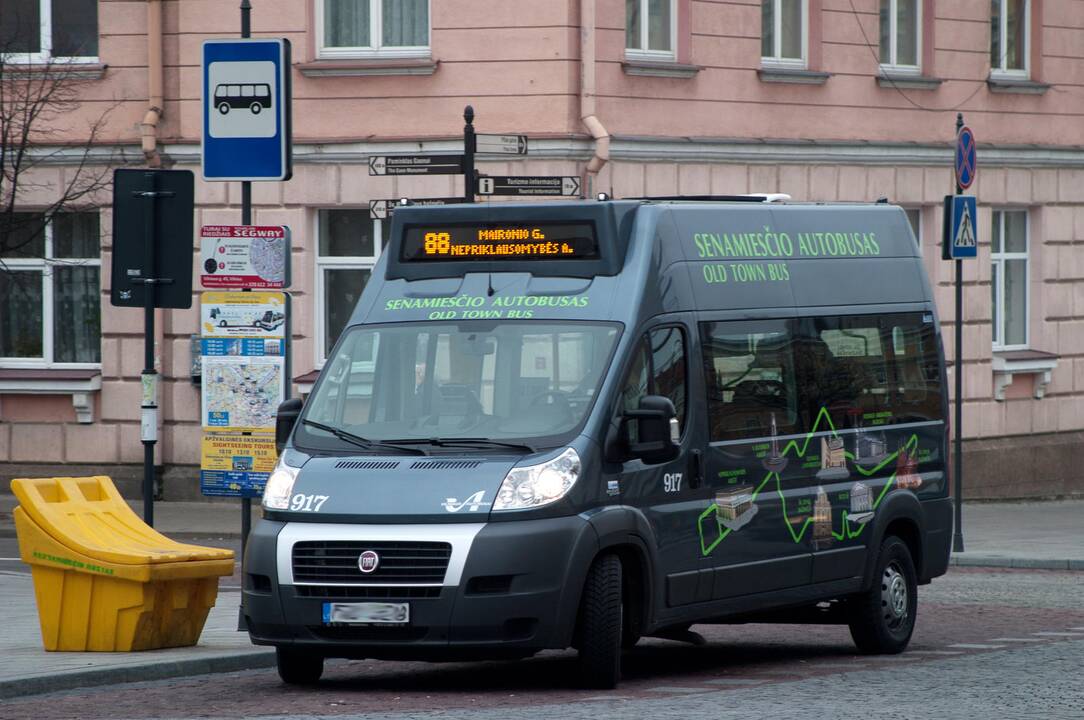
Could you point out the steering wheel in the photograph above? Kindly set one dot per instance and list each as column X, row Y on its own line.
column 560, row 398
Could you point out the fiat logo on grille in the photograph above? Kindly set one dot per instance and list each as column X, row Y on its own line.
column 368, row 562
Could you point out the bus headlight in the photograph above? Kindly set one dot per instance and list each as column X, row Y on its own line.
column 280, row 486
column 537, row 485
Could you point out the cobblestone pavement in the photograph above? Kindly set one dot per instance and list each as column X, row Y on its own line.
column 1006, row 642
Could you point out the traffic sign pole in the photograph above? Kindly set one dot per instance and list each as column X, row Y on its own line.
column 469, row 140
column 957, row 455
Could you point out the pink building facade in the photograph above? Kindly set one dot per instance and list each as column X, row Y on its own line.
column 824, row 100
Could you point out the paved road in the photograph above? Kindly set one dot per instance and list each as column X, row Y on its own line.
column 1004, row 642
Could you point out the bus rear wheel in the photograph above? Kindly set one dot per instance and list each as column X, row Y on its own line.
column 255, row 108
column 601, row 622
column 883, row 617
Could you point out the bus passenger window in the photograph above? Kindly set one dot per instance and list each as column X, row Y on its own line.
column 750, row 373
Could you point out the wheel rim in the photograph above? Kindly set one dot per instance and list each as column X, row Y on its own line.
column 895, row 600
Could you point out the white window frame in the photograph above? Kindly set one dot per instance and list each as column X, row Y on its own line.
column 337, row 262
column 774, row 60
column 999, row 258
column 1013, row 73
column 44, row 265
column 376, row 47
column 918, row 227
column 643, row 52
column 45, row 55
column 893, row 38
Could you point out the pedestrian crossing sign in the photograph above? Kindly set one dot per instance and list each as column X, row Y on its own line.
column 960, row 237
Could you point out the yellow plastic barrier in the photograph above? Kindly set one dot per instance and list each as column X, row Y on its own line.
column 103, row 579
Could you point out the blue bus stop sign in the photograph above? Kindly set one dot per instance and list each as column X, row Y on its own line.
column 965, row 158
column 246, row 110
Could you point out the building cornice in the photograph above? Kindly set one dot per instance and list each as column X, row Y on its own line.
column 631, row 148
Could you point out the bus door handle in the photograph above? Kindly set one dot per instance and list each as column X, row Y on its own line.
column 696, row 469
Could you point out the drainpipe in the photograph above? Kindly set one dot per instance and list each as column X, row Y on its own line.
column 587, row 96
column 149, row 126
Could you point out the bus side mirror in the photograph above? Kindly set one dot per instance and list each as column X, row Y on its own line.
column 285, row 420
column 656, row 430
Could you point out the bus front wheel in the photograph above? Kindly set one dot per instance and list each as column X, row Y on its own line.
column 224, row 108
column 601, row 620
column 298, row 668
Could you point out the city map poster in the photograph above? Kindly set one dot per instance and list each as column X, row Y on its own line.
column 236, row 465
column 242, row 393
column 243, row 315
column 245, row 256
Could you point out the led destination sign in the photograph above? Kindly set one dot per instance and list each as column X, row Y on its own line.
column 527, row 241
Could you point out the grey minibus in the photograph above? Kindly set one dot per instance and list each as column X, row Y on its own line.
column 577, row 424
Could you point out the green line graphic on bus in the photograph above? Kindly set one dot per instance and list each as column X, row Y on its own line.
column 732, row 510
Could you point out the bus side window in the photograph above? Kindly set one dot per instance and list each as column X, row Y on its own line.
column 668, row 373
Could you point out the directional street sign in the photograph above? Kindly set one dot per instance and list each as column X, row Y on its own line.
column 960, row 238
column 246, row 110
column 965, row 158
column 502, row 144
column 415, row 164
column 564, row 185
column 383, row 209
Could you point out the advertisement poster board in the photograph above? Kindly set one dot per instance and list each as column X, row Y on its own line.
column 236, row 465
column 245, row 256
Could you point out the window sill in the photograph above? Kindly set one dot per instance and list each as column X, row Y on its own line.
column 656, row 68
column 792, row 75
column 57, row 69
column 1018, row 86
column 907, row 81
column 1008, row 363
column 305, row 382
column 77, row 383
column 368, row 66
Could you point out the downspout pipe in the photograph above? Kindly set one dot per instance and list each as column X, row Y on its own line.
column 149, row 126
column 588, row 115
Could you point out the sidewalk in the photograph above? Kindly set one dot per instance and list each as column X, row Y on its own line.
column 1045, row 535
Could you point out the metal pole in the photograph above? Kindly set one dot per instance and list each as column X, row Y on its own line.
column 246, row 219
column 957, row 455
column 149, row 376
column 469, row 145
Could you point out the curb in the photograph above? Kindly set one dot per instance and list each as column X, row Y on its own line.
column 995, row 561
column 155, row 670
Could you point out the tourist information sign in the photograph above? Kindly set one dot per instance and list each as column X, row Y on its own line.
column 528, row 185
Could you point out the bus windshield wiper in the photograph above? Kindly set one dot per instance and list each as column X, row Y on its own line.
column 358, row 440
column 463, row 442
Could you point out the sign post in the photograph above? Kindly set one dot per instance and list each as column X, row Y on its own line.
column 960, row 240
column 470, row 141
column 152, row 267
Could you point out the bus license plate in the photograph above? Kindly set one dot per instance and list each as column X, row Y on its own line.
column 370, row 613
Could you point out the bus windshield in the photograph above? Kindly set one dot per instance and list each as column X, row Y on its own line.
column 531, row 382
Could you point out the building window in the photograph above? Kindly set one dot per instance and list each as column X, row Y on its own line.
column 1009, row 278
column 51, row 309
column 783, row 32
column 914, row 217
column 1009, row 29
column 649, row 29
column 347, row 252
column 373, row 28
column 901, row 34
column 39, row 31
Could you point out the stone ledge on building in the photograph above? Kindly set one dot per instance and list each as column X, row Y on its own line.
column 367, row 67
column 1008, row 364
column 655, row 68
column 78, row 383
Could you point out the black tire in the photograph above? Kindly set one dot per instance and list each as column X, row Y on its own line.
column 224, row 108
column 297, row 667
column 601, row 621
column 255, row 108
column 883, row 617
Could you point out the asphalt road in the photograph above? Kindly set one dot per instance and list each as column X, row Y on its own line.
column 988, row 642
